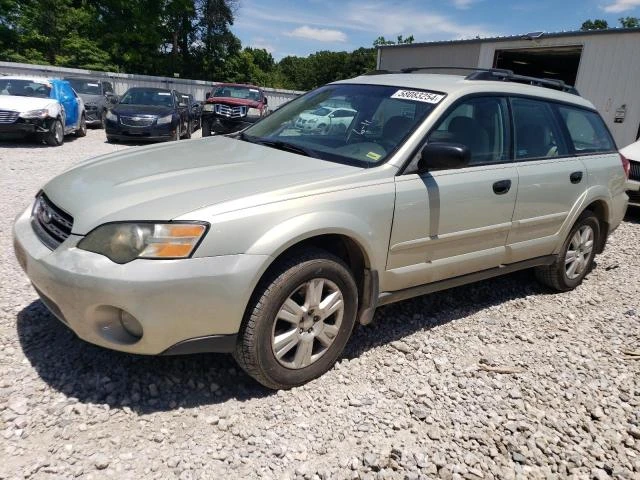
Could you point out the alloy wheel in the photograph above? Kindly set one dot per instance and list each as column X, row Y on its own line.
column 307, row 323
column 579, row 252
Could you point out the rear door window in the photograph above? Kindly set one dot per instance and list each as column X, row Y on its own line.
column 537, row 134
column 586, row 130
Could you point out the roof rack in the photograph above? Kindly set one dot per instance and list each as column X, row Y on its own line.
column 495, row 74
column 509, row 76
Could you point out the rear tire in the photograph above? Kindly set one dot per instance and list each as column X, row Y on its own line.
column 177, row 134
column 299, row 320
column 188, row 134
column 82, row 127
column 55, row 135
column 576, row 257
column 206, row 129
column 103, row 119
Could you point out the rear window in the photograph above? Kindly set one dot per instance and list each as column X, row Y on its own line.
column 586, row 130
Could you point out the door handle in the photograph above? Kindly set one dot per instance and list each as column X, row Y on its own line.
column 502, row 187
column 575, row 177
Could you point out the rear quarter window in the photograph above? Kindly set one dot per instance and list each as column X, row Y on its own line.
column 586, row 131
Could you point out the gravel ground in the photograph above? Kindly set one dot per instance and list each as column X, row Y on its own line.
column 411, row 398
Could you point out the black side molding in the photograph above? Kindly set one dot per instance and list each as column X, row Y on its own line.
column 397, row 296
column 208, row 344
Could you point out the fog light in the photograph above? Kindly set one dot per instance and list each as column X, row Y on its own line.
column 130, row 324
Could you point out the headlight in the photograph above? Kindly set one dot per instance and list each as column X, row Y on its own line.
column 253, row 112
column 165, row 120
column 312, row 120
column 41, row 113
column 208, row 107
column 124, row 242
column 111, row 116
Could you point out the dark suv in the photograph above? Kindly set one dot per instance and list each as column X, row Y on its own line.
column 148, row 114
column 232, row 107
column 98, row 97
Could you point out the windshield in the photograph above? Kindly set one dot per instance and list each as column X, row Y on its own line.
column 24, row 88
column 143, row 96
column 245, row 93
column 356, row 124
column 88, row 87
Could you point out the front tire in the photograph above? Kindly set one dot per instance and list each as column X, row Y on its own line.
column 187, row 135
column 177, row 134
column 55, row 135
column 299, row 320
column 576, row 257
column 206, row 129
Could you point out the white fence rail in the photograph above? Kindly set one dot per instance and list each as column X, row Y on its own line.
column 122, row 81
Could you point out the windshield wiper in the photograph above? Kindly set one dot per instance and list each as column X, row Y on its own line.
column 280, row 145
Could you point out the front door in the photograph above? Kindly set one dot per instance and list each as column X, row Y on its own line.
column 454, row 222
column 69, row 102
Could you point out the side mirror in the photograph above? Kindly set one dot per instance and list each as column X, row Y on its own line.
column 207, row 95
column 265, row 101
column 441, row 156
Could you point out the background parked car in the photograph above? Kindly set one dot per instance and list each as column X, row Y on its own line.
column 148, row 114
column 325, row 120
column 47, row 109
column 195, row 112
column 632, row 153
column 232, row 107
column 98, row 97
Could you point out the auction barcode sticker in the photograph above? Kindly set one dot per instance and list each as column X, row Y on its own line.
column 418, row 95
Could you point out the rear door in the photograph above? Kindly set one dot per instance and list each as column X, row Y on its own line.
column 552, row 178
column 449, row 223
column 69, row 102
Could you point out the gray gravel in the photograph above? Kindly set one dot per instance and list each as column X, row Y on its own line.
column 411, row 399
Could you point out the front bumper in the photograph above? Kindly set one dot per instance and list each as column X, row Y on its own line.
column 184, row 306
column 223, row 125
column 153, row 133
column 633, row 191
column 93, row 115
column 25, row 127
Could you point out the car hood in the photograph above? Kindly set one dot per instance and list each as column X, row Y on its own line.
column 162, row 182
column 124, row 109
column 234, row 101
column 23, row 104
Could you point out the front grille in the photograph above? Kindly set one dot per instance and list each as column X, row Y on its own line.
column 634, row 173
column 138, row 121
column 231, row 112
column 8, row 116
column 51, row 224
column 90, row 106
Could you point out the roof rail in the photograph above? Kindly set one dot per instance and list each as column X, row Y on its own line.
column 496, row 74
column 509, row 76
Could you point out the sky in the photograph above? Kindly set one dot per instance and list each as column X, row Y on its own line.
column 306, row 26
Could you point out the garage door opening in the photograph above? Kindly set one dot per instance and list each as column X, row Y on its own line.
column 560, row 63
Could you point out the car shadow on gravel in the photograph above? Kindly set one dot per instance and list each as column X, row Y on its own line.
column 632, row 215
column 398, row 320
column 18, row 142
column 146, row 384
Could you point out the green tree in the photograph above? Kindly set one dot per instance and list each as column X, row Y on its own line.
column 629, row 22
column 596, row 24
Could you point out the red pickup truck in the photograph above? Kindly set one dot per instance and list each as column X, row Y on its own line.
column 232, row 107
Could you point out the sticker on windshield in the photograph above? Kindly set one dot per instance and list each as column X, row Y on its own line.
column 373, row 156
column 418, row 95
column 164, row 94
column 93, row 84
column 253, row 90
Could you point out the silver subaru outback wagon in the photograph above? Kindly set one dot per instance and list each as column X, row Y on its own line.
column 273, row 243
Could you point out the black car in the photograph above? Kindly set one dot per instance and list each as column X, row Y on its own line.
column 98, row 97
column 195, row 111
column 148, row 114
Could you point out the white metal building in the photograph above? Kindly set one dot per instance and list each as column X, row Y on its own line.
column 604, row 65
